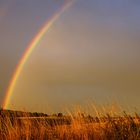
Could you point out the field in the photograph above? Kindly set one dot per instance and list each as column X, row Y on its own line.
column 17, row 125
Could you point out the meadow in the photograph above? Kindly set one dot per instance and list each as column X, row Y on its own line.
column 18, row 125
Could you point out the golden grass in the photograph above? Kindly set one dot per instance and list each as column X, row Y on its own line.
column 76, row 126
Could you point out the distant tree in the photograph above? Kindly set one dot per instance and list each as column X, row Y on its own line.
column 54, row 115
column 46, row 115
column 60, row 115
column 35, row 114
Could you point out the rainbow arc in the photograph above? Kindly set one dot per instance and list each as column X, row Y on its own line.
column 30, row 49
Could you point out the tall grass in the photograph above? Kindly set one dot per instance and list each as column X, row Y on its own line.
column 75, row 126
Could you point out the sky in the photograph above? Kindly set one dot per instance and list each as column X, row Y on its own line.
column 91, row 53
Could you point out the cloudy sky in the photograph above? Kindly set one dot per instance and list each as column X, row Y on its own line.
column 91, row 53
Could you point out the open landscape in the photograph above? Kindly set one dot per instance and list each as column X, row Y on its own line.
column 15, row 125
column 69, row 69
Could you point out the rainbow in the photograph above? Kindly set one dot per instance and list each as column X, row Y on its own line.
column 30, row 49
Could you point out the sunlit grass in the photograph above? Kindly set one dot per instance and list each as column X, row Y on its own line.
column 74, row 125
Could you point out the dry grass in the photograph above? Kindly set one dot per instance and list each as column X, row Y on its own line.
column 77, row 126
